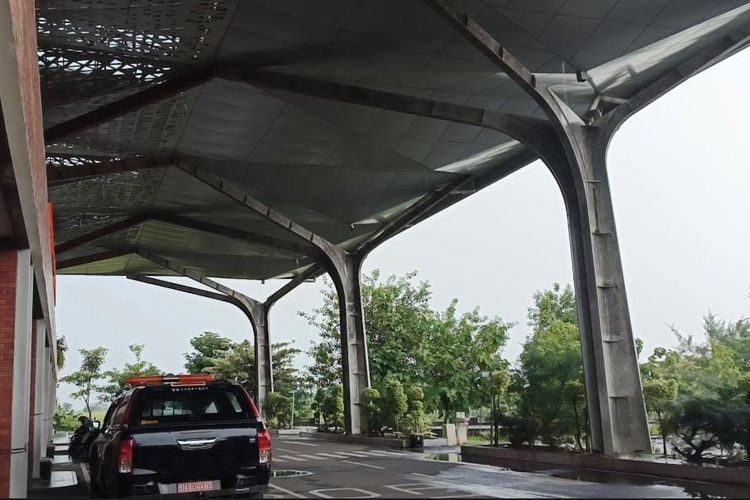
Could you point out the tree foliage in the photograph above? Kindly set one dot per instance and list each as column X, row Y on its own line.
column 86, row 379
column 206, row 347
column 410, row 342
column 116, row 377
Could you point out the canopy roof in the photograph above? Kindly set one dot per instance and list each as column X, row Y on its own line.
column 343, row 170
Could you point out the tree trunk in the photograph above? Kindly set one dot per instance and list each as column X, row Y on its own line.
column 578, row 426
column 663, row 434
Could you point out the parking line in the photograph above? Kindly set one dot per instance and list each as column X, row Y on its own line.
column 319, row 493
column 286, row 491
column 364, row 465
column 299, row 443
column 294, row 459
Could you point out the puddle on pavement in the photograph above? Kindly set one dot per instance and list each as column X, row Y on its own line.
column 288, row 473
column 691, row 489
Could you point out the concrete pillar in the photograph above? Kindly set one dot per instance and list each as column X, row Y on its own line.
column 258, row 314
column 15, row 369
column 617, row 413
column 39, row 444
column 355, row 365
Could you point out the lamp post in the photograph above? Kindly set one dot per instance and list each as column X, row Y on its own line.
column 292, row 420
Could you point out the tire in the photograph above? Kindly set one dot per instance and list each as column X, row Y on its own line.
column 95, row 490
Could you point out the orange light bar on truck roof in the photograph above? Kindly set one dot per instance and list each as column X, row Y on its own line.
column 201, row 379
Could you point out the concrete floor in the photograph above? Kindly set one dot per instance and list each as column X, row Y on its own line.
column 307, row 468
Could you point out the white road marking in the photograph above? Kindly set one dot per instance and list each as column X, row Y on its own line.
column 367, row 494
column 497, row 491
column 417, row 488
column 330, row 455
column 375, row 453
column 300, row 443
column 364, row 465
column 277, row 459
column 289, row 457
column 284, row 450
column 286, row 491
column 311, row 457
column 351, row 454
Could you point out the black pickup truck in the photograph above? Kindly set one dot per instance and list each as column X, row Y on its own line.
column 186, row 434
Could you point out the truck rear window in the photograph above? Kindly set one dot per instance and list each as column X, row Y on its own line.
column 166, row 404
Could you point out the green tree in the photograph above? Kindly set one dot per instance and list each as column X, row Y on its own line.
column 371, row 399
column 332, row 407
column 206, row 347
column 660, row 395
column 394, row 402
column 117, row 377
column 235, row 361
column 65, row 419
column 278, row 409
column 549, row 382
column 407, row 340
column 86, row 378
column 415, row 414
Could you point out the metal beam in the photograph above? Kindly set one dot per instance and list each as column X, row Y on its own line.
column 240, row 234
column 496, row 53
column 703, row 59
column 94, row 257
column 180, row 288
column 256, row 312
column 128, row 104
column 444, row 200
column 313, row 272
column 523, row 128
column 194, row 275
column 101, row 232
column 328, row 250
column 57, row 176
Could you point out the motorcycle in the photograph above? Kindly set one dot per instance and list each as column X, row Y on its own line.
column 80, row 442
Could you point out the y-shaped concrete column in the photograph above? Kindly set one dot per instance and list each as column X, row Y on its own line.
column 344, row 269
column 256, row 312
column 576, row 155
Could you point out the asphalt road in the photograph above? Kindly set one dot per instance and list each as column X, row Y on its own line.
column 338, row 470
column 308, row 468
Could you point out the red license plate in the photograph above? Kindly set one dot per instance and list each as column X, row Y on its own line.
column 194, row 486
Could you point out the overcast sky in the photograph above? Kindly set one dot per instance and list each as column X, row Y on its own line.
column 680, row 176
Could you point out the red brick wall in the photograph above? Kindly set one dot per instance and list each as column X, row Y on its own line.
column 32, row 397
column 8, row 264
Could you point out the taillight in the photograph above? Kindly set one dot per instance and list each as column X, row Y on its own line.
column 264, row 447
column 125, row 457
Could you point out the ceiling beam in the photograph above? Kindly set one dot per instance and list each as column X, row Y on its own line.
column 57, row 175
column 94, row 257
column 101, row 232
column 329, row 252
column 240, row 234
column 311, row 273
column 233, row 295
column 710, row 55
column 128, row 104
column 522, row 128
column 427, row 205
column 180, row 288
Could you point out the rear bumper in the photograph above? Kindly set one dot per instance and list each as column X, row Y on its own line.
column 254, row 480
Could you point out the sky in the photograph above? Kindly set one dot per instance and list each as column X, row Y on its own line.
column 680, row 178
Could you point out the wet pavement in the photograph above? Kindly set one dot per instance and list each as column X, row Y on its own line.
column 308, row 468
